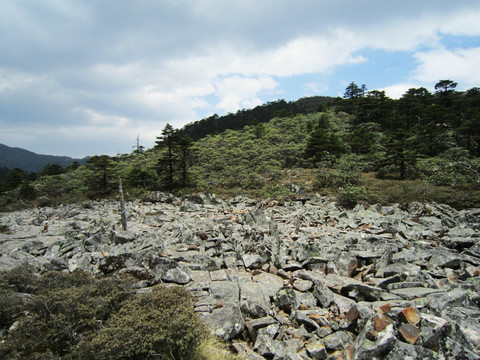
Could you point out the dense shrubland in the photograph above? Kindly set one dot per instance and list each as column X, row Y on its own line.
column 423, row 146
column 61, row 315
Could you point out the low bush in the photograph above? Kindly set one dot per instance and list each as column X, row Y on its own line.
column 63, row 309
column 77, row 316
column 156, row 325
column 350, row 195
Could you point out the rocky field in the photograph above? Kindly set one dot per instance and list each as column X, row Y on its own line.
column 300, row 280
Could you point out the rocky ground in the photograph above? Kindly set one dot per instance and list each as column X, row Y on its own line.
column 300, row 280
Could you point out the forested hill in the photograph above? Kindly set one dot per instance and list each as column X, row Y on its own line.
column 13, row 157
column 260, row 114
column 363, row 146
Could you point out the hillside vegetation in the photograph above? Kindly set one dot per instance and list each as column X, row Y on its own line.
column 363, row 147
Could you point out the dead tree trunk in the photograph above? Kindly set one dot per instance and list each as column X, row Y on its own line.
column 123, row 212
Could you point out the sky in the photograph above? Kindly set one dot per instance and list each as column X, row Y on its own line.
column 88, row 77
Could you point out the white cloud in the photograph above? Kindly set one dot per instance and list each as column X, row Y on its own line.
column 236, row 92
column 140, row 65
column 396, row 91
column 11, row 81
column 104, row 120
column 460, row 65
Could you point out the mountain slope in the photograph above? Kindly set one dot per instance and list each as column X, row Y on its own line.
column 13, row 157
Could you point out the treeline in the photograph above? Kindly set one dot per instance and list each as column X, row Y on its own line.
column 440, row 121
column 428, row 140
column 261, row 114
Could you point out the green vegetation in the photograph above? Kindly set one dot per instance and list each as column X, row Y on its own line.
column 429, row 142
column 77, row 316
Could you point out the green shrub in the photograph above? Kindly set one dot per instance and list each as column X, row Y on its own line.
column 275, row 191
column 335, row 179
column 11, row 304
column 156, row 325
column 350, row 195
column 20, row 279
column 66, row 309
column 453, row 167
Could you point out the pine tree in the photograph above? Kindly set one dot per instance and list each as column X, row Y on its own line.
column 167, row 141
column 174, row 160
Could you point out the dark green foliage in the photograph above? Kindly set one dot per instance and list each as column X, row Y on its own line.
column 156, row 325
column 454, row 167
column 140, row 179
column 401, row 154
column 77, row 316
column 350, row 195
column 261, row 114
column 62, row 310
column 241, row 159
column 52, row 169
column 27, row 191
column 11, row 304
column 445, row 87
column 362, row 140
column 323, row 142
column 166, row 163
column 174, row 160
column 354, row 91
column 20, row 279
column 14, row 178
column 101, row 179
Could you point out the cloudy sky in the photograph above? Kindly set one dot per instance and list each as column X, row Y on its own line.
column 87, row 77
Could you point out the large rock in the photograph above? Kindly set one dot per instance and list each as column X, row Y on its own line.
column 253, row 301
column 226, row 322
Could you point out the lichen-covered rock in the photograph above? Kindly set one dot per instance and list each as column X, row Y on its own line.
column 286, row 300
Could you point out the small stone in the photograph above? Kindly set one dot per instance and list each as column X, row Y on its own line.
column 286, row 300
column 302, row 318
column 302, row 306
column 323, row 295
column 349, row 352
column 337, row 341
column 254, row 261
column 284, row 274
column 218, row 275
column 361, row 292
column 263, row 322
column 409, row 333
column 323, row 331
column 122, row 237
column 472, row 271
column 352, row 314
column 292, row 266
column 302, row 285
column 385, row 308
column 316, row 350
column 452, row 275
column 409, row 315
column 177, row 276
column 381, row 322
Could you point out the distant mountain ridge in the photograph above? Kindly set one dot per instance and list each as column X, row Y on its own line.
column 13, row 157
